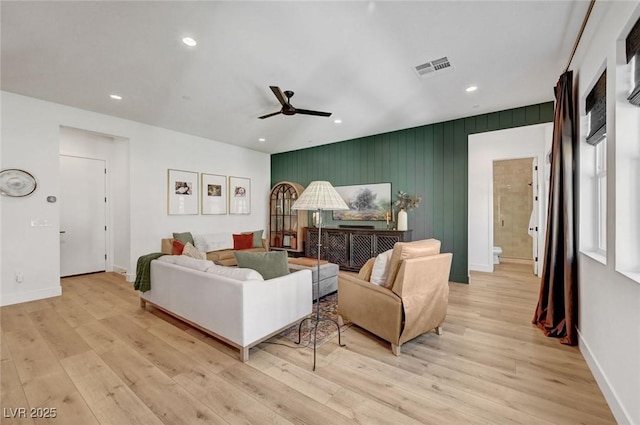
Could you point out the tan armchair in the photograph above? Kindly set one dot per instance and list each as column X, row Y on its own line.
column 412, row 301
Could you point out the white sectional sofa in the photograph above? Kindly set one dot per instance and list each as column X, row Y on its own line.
column 231, row 304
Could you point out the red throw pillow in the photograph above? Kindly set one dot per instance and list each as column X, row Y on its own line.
column 243, row 241
column 177, row 247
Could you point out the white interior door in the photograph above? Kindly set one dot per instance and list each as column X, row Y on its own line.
column 534, row 222
column 82, row 215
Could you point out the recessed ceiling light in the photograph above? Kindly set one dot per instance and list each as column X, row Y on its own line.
column 115, row 97
column 338, row 121
column 262, row 140
column 189, row 41
column 471, row 88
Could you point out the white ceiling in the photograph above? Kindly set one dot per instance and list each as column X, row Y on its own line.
column 354, row 59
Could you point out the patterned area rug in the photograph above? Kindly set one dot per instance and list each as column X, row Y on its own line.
column 326, row 330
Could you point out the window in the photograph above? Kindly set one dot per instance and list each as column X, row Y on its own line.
column 600, row 197
column 593, row 173
column 596, row 106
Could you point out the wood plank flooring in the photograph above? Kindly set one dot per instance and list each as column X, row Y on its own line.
column 97, row 358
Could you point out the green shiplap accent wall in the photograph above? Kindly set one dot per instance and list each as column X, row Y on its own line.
column 431, row 160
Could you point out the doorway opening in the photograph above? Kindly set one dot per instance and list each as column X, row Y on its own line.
column 94, row 202
column 514, row 206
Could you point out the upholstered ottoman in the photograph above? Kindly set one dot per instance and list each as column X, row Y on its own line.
column 328, row 274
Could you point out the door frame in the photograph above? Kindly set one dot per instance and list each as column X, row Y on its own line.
column 484, row 148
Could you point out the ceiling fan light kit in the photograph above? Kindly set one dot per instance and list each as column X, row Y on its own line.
column 287, row 108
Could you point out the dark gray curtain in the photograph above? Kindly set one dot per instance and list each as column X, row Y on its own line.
column 557, row 310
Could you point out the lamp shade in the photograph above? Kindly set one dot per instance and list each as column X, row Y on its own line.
column 320, row 195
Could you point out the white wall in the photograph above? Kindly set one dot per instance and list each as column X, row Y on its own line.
column 484, row 148
column 609, row 301
column 31, row 140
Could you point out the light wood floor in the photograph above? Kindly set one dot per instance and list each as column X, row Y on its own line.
column 97, row 358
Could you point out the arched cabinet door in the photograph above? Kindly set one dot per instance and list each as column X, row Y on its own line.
column 286, row 226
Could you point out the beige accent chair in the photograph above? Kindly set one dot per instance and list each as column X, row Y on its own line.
column 413, row 300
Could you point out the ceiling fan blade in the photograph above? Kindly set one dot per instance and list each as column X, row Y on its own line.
column 276, row 90
column 270, row 115
column 308, row 112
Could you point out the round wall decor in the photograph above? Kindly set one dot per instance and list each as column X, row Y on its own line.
column 17, row 183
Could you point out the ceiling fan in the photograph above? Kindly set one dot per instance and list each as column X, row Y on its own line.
column 287, row 108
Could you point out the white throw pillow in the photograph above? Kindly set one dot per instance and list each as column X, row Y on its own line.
column 236, row 273
column 213, row 241
column 380, row 270
column 185, row 261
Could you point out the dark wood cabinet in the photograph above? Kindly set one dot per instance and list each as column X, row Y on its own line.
column 350, row 248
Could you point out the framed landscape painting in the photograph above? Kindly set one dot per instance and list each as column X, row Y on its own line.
column 367, row 202
column 182, row 192
column 213, row 194
column 239, row 195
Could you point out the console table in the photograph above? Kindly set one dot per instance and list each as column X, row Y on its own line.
column 350, row 248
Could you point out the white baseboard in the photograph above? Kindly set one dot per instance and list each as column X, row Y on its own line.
column 123, row 271
column 119, row 269
column 23, row 297
column 481, row 268
column 619, row 412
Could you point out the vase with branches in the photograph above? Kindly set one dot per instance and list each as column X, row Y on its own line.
column 405, row 202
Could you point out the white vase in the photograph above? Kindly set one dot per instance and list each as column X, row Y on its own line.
column 402, row 220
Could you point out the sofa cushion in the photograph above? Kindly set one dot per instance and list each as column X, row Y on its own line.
column 403, row 250
column 236, row 273
column 208, row 242
column 184, row 237
column 243, row 241
column 226, row 254
column 185, row 261
column 177, row 247
column 269, row 264
column 191, row 251
column 380, row 271
column 257, row 238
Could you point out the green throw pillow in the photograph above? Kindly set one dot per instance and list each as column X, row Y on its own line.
column 184, row 237
column 268, row 264
column 257, row 238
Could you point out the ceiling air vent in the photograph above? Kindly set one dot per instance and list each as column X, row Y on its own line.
column 435, row 66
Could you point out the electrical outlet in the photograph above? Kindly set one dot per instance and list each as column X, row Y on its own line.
column 19, row 277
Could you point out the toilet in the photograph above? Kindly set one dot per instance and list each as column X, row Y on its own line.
column 496, row 254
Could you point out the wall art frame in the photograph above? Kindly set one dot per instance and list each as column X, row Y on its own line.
column 367, row 202
column 239, row 195
column 213, row 194
column 182, row 192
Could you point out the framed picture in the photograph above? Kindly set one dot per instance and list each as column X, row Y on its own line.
column 239, row 195
column 213, row 190
column 367, row 202
column 182, row 192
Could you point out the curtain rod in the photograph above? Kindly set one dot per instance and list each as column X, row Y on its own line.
column 584, row 24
